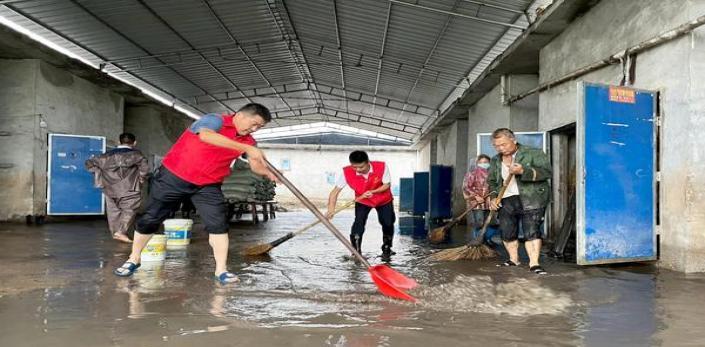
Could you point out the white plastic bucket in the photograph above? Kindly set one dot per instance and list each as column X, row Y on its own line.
column 155, row 250
column 178, row 232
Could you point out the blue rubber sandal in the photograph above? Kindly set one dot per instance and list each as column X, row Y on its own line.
column 127, row 269
column 227, row 278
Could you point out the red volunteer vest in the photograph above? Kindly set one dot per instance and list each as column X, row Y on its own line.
column 200, row 163
column 360, row 185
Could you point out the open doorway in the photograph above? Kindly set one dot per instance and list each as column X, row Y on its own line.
column 561, row 233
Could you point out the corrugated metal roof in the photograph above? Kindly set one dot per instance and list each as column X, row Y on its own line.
column 202, row 53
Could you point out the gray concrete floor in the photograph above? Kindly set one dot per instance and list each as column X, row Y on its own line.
column 57, row 289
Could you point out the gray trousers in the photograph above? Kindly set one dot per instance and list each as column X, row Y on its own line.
column 121, row 212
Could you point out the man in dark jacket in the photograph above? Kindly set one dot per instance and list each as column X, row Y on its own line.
column 121, row 173
column 525, row 199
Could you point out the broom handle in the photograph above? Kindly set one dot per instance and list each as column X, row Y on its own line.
column 291, row 235
column 318, row 214
column 505, row 184
column 457, row 219
column 462, row 215
column 313, row 224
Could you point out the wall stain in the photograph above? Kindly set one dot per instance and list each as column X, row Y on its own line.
column 56, row 77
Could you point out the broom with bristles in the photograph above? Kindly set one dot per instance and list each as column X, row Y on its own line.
column 263, row 248
column 439, row 234
column 475, row 249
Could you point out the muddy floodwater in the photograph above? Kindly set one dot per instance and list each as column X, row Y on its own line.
column 57, row 289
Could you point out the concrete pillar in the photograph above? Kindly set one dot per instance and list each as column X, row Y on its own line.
column 683, row 161
column 18, row 124
column 423, row 155
column 434, row 151
column 451, row 145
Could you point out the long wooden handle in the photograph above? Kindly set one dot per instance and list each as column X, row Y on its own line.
column 462, row 215
column 505, row 185
column 503, row 190
column 457, row 219
column 317, row 213
column 291, row 235
column 313, row 224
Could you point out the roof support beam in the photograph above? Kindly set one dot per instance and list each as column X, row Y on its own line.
column 368, row 99
column 295, row 112
column 103, row 58
column 215, row 68
column 365, row 119
column 346, row 121
column 483, row 4
column 232, row 38
column 340, row 51
column 427, row 60
column 131, row 41
column 5, row 2
column 189, row 57
column 478, row 19
column 470, row 70
column 256, row 92
column 396, row 134
column 387, row 103
column 292, row 44
column 351, row 116
column 381, row 55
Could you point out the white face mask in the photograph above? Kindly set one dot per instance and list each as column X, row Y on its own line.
column 484, row 165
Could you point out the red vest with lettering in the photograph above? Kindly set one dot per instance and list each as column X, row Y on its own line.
column 360, row 185
column 200, row 163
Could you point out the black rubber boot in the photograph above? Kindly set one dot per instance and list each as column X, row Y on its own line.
column 387, row 246
column 356, row 241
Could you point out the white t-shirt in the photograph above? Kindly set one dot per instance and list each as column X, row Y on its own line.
column 513, row 188
column 386, row 177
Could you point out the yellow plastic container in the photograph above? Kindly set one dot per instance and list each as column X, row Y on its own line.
column 178, row 232
column 155, row 250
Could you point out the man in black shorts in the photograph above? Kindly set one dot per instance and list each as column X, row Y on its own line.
column 525, row 199
column 194, row 168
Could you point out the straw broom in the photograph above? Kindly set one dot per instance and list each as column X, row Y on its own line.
column 476, row 249
column 263, row 248
column 439, row 234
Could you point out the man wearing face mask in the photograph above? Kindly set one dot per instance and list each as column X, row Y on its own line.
column 194, row 168
column 371, row 182
column 525, row 200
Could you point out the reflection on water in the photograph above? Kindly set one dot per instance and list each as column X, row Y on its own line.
column 314, row 295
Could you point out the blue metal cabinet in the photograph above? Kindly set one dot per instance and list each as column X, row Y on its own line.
column 420, row 205
column 406, row 194
column 441, row 192
column 70, row 189
column 413, row 226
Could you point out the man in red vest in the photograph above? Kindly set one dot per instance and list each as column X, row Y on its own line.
column 371, row 182
column 194, row 168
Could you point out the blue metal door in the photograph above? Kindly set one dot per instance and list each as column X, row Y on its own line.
column 70, row 189
column 420, row 205
column 441, row 190
column 615, row 202
column 406, row 194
